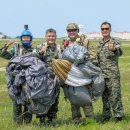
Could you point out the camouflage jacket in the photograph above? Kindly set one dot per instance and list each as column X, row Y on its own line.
column 52, row 52
column 108, row 60
column 18, row 50
column 91, row 49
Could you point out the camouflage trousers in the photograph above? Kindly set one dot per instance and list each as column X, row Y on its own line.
column 112, row 98
column 21, row 114
column 88, row 111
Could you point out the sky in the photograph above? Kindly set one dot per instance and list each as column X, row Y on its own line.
column 43, row 14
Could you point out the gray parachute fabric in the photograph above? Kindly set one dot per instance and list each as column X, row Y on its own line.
column 31, row 82
column 75, row 53
column 78, row 96
column 83, row 73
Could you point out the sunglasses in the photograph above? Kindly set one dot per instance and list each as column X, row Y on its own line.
column 71, row 30
column 105, row 29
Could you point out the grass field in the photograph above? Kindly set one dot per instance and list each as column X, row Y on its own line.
column 63, row 121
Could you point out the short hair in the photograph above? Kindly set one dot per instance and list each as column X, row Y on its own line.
column 106, row 23
column 50, row 30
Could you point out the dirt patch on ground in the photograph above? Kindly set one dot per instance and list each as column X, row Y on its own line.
column 2, row 69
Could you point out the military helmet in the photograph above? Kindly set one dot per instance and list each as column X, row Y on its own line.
column 72, row 26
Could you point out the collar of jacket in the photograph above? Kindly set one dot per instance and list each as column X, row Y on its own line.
column 51, row 46
column 104, row 42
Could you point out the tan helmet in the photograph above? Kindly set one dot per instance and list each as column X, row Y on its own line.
column 72, row 26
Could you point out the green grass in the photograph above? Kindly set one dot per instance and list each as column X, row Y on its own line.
column 63, row 121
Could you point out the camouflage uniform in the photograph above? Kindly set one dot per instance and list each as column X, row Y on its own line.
column 88, row 110
column 108, row 62
column 20, row 113
column 50, row 54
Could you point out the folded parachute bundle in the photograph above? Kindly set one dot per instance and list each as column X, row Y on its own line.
column 75, row 53
column 78, row 72
column 31, row 82
column 61, row 68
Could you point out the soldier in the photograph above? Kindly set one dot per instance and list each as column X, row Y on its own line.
column 107, row 54
column 20, row 113
column 72, row 31
column 47, row 52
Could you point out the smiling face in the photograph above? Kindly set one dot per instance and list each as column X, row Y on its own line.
column 72, row 33
column 26, row 38
column 51, row 38
column 105, row 30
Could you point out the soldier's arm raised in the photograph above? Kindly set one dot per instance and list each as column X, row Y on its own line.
column 116, row 48
column 4, row 50
column 40, row 50
column 11, row 42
